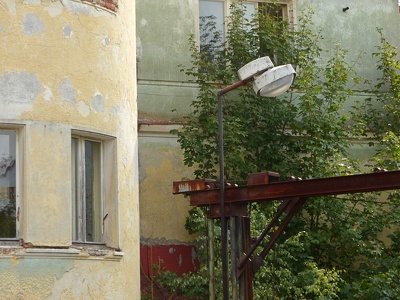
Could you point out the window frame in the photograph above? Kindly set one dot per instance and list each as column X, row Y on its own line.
column 109, row 223
column 80, row 189
column 290, row 13
column 19, row 163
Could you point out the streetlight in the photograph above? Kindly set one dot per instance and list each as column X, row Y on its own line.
column 268, row 81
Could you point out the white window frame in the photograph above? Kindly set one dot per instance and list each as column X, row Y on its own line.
column 19, row 163
column 109, row 215
column 290, row 14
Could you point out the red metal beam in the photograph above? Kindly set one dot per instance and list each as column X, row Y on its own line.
column 201, row 194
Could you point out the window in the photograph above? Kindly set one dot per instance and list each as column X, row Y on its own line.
column 211, row 21
column 8, row 184
column 212, row 13
column 93, row 190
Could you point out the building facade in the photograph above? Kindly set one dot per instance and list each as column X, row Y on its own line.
column 165, row 94
column 69, row 207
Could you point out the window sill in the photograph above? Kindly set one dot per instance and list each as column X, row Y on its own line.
column 10, row 243
column 86, row 253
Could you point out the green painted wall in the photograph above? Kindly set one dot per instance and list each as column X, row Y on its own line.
column 162, row 32
column 163, row 28
column 356, row 29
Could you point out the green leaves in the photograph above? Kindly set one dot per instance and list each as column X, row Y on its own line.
column 335, row 248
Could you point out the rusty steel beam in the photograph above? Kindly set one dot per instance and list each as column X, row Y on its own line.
column 183, row 187
column 206, row 195
column 266, row 187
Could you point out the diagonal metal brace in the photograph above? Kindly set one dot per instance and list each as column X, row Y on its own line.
column 259, row 260
column 246, row 256
column 292, row 206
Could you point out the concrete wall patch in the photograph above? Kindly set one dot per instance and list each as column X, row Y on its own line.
column 18, row 87
column 67, row 91
column 68, row 31
column 32, row 24
column 98, row 103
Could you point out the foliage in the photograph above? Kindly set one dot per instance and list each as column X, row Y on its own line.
column 380, row 113
column 378, row 276
column 195, row 285
column 192, row 285
column 279, row 279
column 335, row 249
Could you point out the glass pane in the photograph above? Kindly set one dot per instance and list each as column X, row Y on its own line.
column 7, row 184
column 211, row 23
column 76, row 211
column 249, row 10
column 273, row 10
column 93, row 191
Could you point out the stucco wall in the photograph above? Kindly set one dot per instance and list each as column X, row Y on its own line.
column 162, row 213
column 355, row 29
column 67, row 65
column 162, row 36
column 162, row 45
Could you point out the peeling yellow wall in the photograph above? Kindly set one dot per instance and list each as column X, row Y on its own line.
column 66, row 65
column 162, row 214
column 73, row 63
column 167, row 212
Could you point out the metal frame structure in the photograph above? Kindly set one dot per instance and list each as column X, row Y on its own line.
column 263, row 187
column 268, row 81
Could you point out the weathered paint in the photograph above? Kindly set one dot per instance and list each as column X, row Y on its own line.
column 356, row 29
column 177, row 258
column 167, row 215
column 180, row 259
column 24, row 276
column 68, row 65
column 163, row 45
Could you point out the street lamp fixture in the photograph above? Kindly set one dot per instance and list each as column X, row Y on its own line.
column 268, row 81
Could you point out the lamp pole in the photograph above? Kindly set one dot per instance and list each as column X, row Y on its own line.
column 224, row 231
column 268, row 82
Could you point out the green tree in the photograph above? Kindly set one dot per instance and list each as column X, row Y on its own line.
column 378, row 276
column 334, row 248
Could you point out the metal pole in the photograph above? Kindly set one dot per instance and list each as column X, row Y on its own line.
column 224, row 241
column 211, row 257
column 224, row 234
column 240, row 243
column 234, row 257
column 246, row 278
